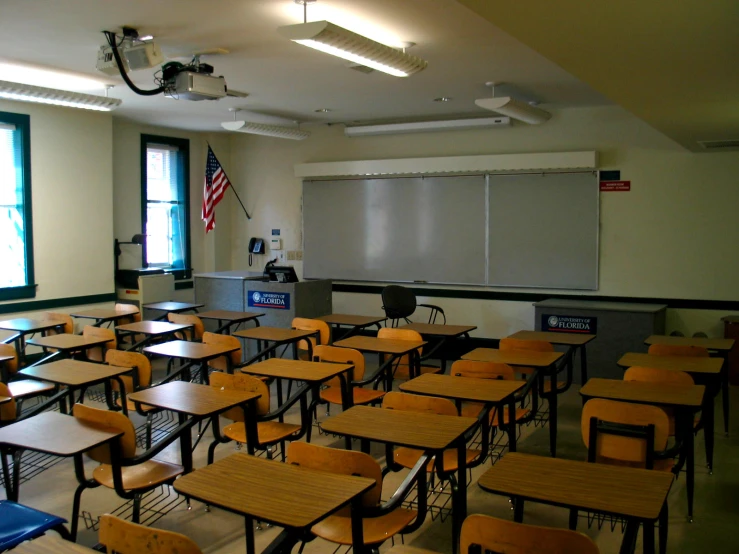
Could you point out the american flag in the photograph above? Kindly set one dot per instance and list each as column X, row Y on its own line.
column 216, row 183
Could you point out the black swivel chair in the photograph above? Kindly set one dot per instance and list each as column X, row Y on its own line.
column 400, row 303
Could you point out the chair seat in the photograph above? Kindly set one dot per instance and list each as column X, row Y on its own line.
column 269, row 431
column 402, row 374
column 131, row 405
column 407, row 457
column 141, row 476
column 20, row 523
column 28, row 388
column 361, row 396
column 338, row 528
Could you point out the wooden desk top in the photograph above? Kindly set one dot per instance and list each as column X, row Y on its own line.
column 439, row 330
column 462, row 388
column 73, row 373
column 25, row 325
column 353, row 320
column 528, row 358
column 662, row 394
column 412, row 429
column 382, row 346
column 173, row 306
column 191, row 398
column 568, row 339
column 55, row 433
column 299, row 370
column 284, row 494
column 690, row 364
column 51, row 544
column 103, row 315
column 274, row 334
column 187, row 350
column 227, row 315
column 152, row 328
column 67, row 342
column 624, row 491
column 722, row 345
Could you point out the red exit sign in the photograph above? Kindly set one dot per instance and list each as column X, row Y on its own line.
column 610, row 186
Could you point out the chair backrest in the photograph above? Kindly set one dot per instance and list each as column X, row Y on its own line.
column 343, row 462
column 305, row 324
column 241, row 382
column 63, row 319
column 129, row 309
column 10, row 365
column 124, row 537
column 108, row 419
column 629, row 449
column 498, row 535
column 8, row 411
column 657, row 375
column 401, row 334
column 482, row 370
column 194, row 333
column 335, row 354
column 419, row 403
column 97, row 353
column 677, row 350
column 522, row 344
column 226, row 341
column 398, row 302
column 119, row 358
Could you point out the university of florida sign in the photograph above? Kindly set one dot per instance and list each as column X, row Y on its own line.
column 274, row 300
column 569, row 324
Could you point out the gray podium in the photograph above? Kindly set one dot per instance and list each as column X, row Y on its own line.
column 620, row 327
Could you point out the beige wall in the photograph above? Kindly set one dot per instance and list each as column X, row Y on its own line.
column 672, row 236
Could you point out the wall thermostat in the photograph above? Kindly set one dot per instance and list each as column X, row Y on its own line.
column 275, row 243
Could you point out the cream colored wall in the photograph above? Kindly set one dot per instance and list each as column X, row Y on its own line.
column 72, row 197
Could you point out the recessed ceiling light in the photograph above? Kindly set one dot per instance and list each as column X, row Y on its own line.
column 322, row 110
column 50, row 78
column 443, row 99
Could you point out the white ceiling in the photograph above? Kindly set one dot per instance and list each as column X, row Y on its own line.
column 286, row 79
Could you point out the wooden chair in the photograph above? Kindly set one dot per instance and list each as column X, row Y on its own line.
column 491, row 534
column 379, row 522
column 400, row 303
column 227, row 362
column 195, row 333
column 97, row 353
column 677, row 350
column 304, row 324
column 130, row 309
column 129, row 475
column 269, row 431
column 120, row 536
column 22, row 389
column 402, row 371
column 332, row 393
column 66, row 323
column 532, row 346
column 408, row 457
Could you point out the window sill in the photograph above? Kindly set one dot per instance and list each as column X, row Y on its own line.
column 16, row 293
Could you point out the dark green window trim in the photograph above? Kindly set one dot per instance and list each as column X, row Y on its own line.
column 53, row 303
column 22, row 122
column 183, row 190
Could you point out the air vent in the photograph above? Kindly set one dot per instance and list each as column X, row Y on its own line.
column 719, row 144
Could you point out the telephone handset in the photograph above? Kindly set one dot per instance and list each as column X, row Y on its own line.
column 256, row 246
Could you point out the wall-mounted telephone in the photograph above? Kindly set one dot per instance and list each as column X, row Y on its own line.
column 256, row 246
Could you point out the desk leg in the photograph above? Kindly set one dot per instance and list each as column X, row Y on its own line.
column 12, row 482
column 663, row 522
column 648, row 530
column 185, row 445
column 358, row 545
column 249, row 530
column 628, row 544
column 725, row 391
column 347, row 398
column 708, row 427
column 553, row 412
column 459, row 503
column 690, row 459
column 511, row 425
column 583, row 365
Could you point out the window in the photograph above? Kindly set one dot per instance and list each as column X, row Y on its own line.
column 16, row 238
column 165, row 205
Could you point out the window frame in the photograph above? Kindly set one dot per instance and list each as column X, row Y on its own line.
column 183, row 145
column 22, row 123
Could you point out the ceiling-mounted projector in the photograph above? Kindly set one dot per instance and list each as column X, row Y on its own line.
column 191, row 85
column 134, row 55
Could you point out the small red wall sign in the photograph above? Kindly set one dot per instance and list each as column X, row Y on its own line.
column 609, row 186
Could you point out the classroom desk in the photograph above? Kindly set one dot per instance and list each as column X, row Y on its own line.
column 637, row 495
column 431, row 433
column 285, row 495
column 65, row 344
column 172, row 308
column 23, row 326
column 277, row 336
column 78, row 375
column 544, row 361
column 683, row 400
column 440, row 333
column 393, row 348
column 192, row 353
column 150, row 329
column 573, row 341
column 722, row 346
column 101, row 316
column 51, row 544
column 491, row 392
column 50, row 433
column 227, row 318
column 355, row 323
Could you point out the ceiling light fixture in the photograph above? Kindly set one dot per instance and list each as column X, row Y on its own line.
column 43, row 95
column 515, row 109
column 322, row 110
column 47, row 77
column 443, row 99
column 276, row 131
column 426, row 126
column 337, row 41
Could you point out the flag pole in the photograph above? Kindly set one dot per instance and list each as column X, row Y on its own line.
column 231, row 186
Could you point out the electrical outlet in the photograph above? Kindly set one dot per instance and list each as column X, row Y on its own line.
column 281, row 256
column 299, row 255
column 290, row 255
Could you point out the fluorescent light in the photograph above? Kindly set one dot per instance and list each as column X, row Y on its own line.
column 426, row 126
column 276, row 131
column 515, row 109
column 41, row 77
column 337, row 41
column 43, row 95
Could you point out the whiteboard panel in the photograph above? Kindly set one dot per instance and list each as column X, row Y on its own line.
column 403, row 229
column 543, row 230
